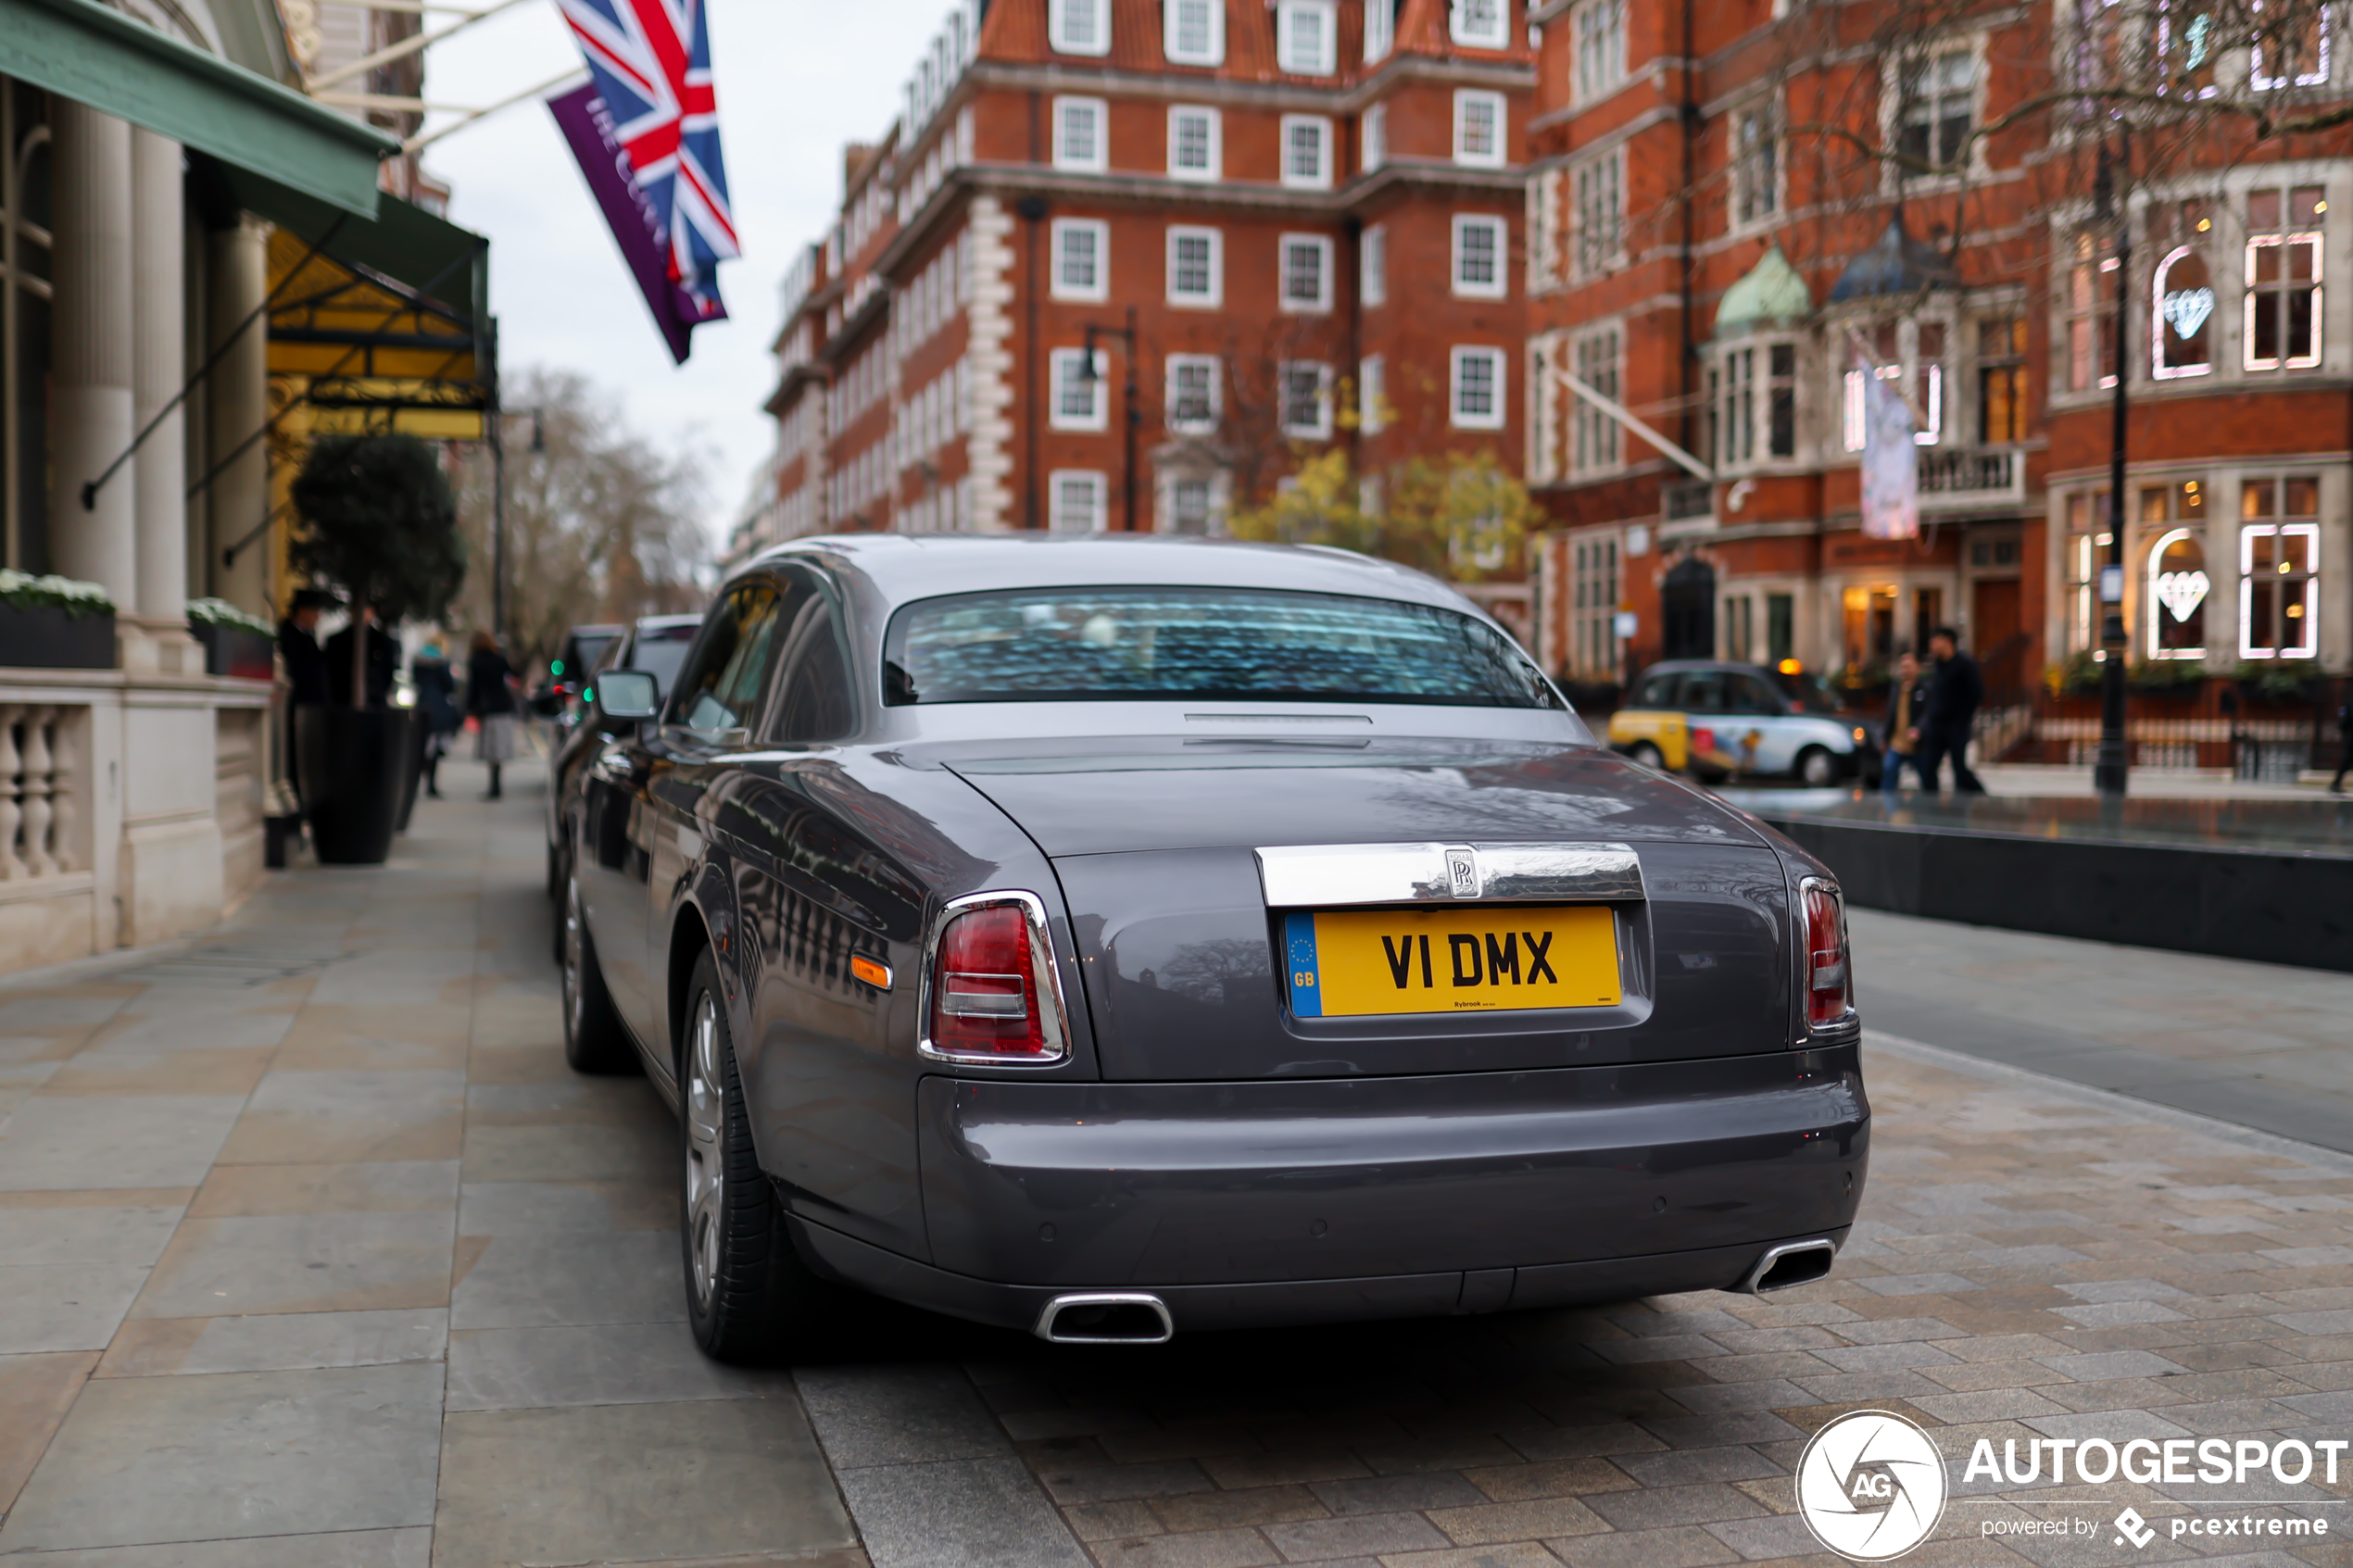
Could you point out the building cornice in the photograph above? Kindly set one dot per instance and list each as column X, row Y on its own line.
column 1338, row 98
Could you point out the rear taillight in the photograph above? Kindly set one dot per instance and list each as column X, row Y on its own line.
column 992, row 995
column 1829, row 979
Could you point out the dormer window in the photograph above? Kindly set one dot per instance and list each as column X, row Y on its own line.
column 1196, row 32
column 1306, row 37
column 1481, row 23
column 1079, row 27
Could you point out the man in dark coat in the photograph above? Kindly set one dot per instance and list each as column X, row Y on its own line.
column 384, row 660
column 2344, row 741
column 298, row 645
column 1956, row 687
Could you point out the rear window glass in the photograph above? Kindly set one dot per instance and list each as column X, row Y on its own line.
column 1109, row 645
column 661, row 650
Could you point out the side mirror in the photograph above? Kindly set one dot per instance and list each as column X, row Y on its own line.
column 626, row 696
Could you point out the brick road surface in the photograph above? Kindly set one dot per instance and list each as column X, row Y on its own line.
column 312, row 1252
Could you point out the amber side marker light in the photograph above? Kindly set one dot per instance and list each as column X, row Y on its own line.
column 872, row 973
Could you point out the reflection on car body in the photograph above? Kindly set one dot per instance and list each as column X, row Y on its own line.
column 1033, row 930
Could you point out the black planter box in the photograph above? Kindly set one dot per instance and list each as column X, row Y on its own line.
column 355, row 765
column 44, row 637
column 233, row 650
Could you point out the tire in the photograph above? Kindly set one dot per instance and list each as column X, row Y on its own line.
column 1649, row 755
column 1816, row 769
column 749, row 1296
column 556, row 885
column 595, row 1040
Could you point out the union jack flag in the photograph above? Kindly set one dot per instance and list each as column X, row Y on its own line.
column 651, row 62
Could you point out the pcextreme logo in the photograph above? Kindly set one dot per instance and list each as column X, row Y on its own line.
column 1870, row 1485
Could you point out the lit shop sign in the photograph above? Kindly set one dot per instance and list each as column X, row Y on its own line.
column 2182, row 295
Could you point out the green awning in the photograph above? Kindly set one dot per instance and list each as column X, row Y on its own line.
column 78, row 49
column 403, row 240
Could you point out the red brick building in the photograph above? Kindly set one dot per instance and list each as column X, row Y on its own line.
column 1705, row 253
column 1310, row 211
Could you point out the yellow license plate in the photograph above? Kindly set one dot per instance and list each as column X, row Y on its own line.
column 1491, row 958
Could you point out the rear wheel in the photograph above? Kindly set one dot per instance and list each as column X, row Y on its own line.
column 1650, row 756
column 749, row 1295
column 1816, row 769
column 593, row 1038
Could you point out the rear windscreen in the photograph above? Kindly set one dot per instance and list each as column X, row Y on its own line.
column 1107, row 645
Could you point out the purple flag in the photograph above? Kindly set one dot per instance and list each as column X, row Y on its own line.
column 637, row 227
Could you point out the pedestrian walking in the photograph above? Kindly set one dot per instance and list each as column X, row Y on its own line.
column 1955, row 689
column 490, row 701
column 2344, row 738
column 1903, row 727
column 437, row 700
column 298, row 645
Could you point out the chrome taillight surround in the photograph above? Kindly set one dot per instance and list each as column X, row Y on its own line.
column 1839, row 971
column 1054, row 1016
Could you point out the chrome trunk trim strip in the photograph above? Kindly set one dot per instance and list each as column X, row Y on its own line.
column 1328, row 875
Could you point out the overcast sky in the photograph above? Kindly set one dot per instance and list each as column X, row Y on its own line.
column 796, row 79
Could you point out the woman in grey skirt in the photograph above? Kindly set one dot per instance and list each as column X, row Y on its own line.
column 490, row 700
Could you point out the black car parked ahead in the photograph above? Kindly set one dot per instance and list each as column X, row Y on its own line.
column 1111, row 936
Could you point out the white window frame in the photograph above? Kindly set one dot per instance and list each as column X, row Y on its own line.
column 1591, row 260
column 1372, row 136
column 1497, row 287
column 1380, row 28
column 1215, row 298
column 1894, row 100
column 1372, row 394
column 1372, row 264
column 1062, row 368
column 1210, row 362
column 1097, row 515
column 2263, row 82
column 1059, row 233
column 1217, row 142
column 2310, row 532
column 1220, row 486
column 1465, row 100
column 1321, row 179
column 1595, row 443
column 1768, row 113
column 1292, row 305
column 1214, row 54
column 1322, row 429
column 1287, row 60
column 1099, row 161
column 2255, row 299
column 1480, row 24
column 1079, row 27
column 1499, row 363
column 1597, row 50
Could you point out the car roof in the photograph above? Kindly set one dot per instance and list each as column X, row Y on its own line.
column 1681, row 666
column 904, row 568
column 661, row 622
column 595, row 629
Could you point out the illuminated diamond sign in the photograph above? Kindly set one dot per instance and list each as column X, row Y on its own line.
column 2182, row 592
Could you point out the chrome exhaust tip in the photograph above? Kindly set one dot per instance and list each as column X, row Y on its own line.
column 1789, row 1265
column 1105, row 1317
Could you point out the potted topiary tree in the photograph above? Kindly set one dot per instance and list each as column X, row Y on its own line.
column 381, row 523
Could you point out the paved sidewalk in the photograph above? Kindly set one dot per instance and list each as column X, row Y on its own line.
column 2265, row 1045
column 313, row 1254
column 311, row 1249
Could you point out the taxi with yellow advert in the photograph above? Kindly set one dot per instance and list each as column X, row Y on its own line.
column 1720, row 720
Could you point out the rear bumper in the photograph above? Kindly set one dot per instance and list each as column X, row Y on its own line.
column 1278, row 1201
column 1274, row 1303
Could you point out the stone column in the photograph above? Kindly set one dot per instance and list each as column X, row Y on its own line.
column 237, row 405
column 158, row 270
column 91, row 363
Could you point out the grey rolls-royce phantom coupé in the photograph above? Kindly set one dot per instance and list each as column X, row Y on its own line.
column 1104, row 937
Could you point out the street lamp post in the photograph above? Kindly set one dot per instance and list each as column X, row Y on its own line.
column 1126, row 336
column 2108, row 774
